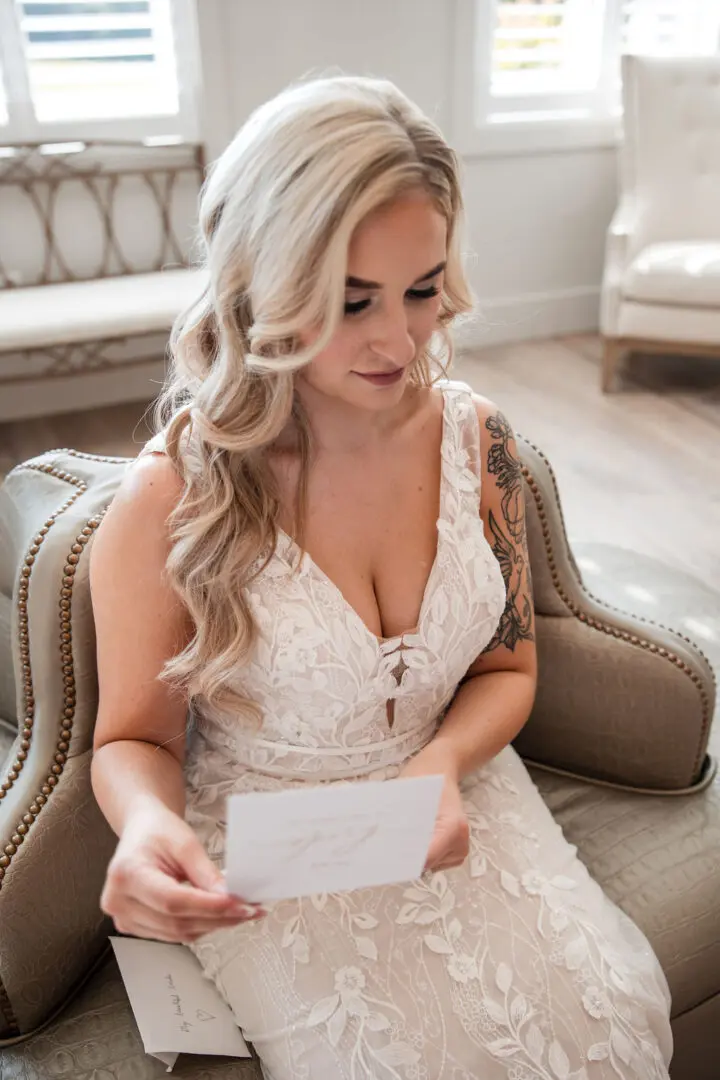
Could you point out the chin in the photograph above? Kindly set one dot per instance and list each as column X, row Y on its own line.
column 379, row 398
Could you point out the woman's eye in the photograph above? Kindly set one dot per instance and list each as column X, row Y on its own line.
column 352, row 307
column 422, row 294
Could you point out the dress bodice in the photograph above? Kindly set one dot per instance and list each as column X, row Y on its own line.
column 323, row 680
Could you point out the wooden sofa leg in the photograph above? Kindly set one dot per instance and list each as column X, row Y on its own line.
column 613, row 352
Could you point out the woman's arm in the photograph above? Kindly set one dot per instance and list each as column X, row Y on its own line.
column 140, row 731
column 496, row 695
column 486, row 714
column 160, row 882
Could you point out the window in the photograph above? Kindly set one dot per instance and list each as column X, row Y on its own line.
column 546, row 48
column 555, row 64
column 85, row 68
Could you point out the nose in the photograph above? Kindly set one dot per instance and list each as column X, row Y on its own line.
column 392, row 339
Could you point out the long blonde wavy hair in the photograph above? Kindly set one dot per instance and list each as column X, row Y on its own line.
column 277, row 212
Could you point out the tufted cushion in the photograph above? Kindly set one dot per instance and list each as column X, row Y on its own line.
column 75, row 311
column 672, row 119
column 669, row 323
column 678, row 273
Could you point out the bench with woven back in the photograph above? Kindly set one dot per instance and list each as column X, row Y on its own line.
column 96, row 244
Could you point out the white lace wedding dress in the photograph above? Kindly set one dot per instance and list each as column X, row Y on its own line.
column 515, row 966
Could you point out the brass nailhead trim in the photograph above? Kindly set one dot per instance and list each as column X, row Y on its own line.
column 68, row 711
column 90, row 457
column 598, row 624
column 551, row 559
column 23, row 636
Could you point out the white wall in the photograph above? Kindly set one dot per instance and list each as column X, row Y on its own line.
column 536, row 222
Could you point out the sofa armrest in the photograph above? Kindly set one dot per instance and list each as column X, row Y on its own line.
column 618, row 253
column 623, row 223
column 620, row 700
column 55, row 841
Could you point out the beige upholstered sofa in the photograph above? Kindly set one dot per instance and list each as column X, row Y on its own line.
column 618, row 740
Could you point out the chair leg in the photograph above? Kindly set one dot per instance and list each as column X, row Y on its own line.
column 613, row 351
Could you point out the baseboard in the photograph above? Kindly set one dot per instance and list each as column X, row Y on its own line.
column 531, row 315
column 23, row 400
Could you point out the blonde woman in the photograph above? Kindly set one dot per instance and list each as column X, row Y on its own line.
column 323, row 555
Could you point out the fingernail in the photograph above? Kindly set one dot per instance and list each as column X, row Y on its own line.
column 239, row 904
column 250, row 911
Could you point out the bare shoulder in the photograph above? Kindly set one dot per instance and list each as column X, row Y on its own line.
column 137, row 518
column 496, row 434
column 135, row 606
column 491, row 418
column 500, row 460
column 140, row 619
column 152, row 486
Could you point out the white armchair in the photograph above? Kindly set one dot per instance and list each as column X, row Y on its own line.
column 661, row 283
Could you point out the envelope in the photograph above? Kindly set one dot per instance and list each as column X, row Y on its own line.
column 176, row 1008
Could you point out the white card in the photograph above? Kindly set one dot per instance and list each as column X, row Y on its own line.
column 177, row 1010
column 329, row 838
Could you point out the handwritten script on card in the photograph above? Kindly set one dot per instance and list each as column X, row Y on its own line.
column 177, row 1010
column 329, row 838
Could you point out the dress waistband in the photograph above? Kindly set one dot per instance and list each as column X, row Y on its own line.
column 332, row 762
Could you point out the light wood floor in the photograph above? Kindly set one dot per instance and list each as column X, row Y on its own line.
column 639, row 468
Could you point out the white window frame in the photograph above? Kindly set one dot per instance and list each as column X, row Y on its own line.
column 22, row 126
column 485, row 126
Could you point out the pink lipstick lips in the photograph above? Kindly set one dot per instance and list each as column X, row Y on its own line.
column 385, row 378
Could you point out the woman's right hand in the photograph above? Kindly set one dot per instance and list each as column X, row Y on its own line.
column 161, row 884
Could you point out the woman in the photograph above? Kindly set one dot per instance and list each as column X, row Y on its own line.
column 324, row 554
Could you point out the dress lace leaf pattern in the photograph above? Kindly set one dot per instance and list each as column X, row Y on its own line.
column 514, row 966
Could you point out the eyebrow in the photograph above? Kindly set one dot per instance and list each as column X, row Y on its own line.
column 360, row 283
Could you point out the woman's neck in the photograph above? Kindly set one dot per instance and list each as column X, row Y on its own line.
column 338, row 427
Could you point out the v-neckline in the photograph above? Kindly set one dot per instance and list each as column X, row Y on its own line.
column 379, row 640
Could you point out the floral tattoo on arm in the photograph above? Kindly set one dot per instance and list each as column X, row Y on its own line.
column 509, row 539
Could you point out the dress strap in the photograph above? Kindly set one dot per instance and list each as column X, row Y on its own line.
column 156, row 445
column 463, row 437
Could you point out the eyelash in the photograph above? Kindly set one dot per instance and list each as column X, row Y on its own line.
column 417, row 295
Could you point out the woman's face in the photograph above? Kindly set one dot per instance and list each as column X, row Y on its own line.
column 396, row 263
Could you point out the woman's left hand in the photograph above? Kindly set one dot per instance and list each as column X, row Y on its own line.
column 450, row 842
